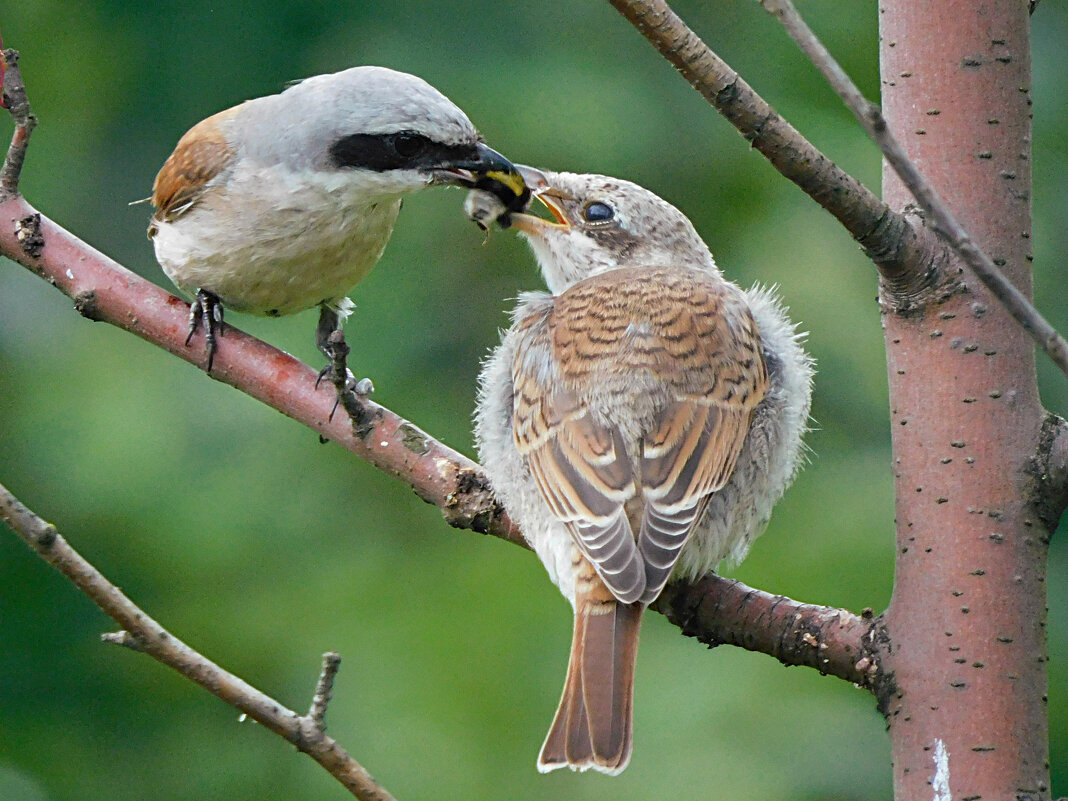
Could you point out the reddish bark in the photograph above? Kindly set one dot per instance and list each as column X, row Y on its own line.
column 834, row 641
column 966, row 653
column 102, row 289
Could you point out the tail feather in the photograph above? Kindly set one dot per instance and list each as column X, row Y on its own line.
column 593, row 724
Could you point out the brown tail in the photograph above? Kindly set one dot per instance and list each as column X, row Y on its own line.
column 593, row 724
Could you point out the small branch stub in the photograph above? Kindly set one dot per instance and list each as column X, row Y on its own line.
column 123, row 638
column 324, row 690
column 28, row 233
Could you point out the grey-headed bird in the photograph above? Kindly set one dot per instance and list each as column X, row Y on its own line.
column 637, row 423
column 286, row 202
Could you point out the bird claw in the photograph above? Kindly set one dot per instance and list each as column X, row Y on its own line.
column 337, row 351
column 362, row 389
column 337, row 371
column 326, row 372
column 206, row 311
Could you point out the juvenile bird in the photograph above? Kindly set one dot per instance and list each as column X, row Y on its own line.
column 638, row 423
column 286, row 202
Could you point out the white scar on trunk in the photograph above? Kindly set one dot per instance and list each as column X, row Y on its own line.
column 940, row 783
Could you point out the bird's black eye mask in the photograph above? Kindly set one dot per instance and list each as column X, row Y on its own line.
column 408, row 150
column 403, row 150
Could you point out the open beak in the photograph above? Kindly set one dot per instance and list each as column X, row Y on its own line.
column 490, row 172
column 552, row 200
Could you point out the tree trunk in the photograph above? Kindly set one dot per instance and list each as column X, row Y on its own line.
column 965, row 647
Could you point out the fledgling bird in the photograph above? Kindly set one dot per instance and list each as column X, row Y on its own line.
column 637, row 423
column 287, row 201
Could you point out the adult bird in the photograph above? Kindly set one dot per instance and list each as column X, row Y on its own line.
column 287, row 201
column 637, row 423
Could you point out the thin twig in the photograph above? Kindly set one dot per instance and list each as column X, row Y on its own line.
column 904, row 253
column 13, row 95
column 944, row 223
column 164, row 647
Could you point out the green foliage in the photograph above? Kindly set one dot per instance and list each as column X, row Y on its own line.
column 236, row 529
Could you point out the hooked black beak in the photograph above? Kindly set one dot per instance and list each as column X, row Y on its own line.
column 491, row 172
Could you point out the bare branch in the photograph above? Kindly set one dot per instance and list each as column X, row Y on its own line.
column 306, row 733
column 944, row 222
column 907, row 255
column 103, row 290
column 720, row 611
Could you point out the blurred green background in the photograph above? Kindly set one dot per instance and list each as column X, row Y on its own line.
column 236, row 529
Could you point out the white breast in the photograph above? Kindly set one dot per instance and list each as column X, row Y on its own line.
column 277, row 242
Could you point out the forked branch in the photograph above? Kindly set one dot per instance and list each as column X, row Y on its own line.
column 906, row 254
column 943, row 220
column 142, row 633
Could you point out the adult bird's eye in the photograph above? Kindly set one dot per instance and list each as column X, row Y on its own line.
column 409, row 145
column 598, row 212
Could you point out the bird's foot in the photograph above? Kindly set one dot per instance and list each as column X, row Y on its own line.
column 337, row 371
column 206, row 311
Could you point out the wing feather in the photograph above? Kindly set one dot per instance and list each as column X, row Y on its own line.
column 200, row 155
column 585, row 476
column 677, row 481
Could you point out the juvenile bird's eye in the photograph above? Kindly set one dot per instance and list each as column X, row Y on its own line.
column 409, row 145
column 598, row 212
